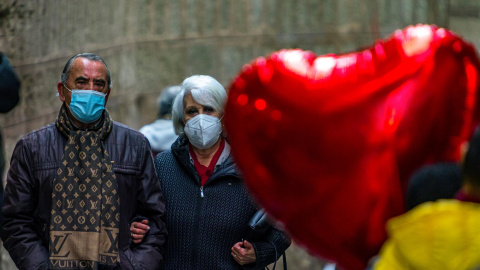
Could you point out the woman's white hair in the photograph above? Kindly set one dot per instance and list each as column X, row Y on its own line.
column 205, row 90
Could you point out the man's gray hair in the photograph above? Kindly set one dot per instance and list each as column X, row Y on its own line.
column 205, row 90
column 89, row 56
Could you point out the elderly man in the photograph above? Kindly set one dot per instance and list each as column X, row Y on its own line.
column 74, row 186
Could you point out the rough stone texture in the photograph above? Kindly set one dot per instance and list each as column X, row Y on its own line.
column 149, row 44
column 465, row 20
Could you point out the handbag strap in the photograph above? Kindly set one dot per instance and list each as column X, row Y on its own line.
column 276, row 258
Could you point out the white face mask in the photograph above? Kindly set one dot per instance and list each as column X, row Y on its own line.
column 203, row 130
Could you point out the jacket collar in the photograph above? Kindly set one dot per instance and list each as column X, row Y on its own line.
column 226, row 167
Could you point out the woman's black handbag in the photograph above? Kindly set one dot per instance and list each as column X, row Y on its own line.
column 259, row 226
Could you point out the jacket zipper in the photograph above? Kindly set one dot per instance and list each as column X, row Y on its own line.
column 196, row 224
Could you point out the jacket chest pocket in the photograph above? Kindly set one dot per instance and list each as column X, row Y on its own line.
column 128, row 180
column 127, row 177
column 44, row 177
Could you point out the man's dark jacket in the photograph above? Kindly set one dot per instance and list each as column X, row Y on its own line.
column 28, row 192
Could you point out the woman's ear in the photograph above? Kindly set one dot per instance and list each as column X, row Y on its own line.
column 224, row 131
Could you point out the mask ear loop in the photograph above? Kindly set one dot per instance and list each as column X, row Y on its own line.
column 222, row 132
column 57, row 94
column 64, row 101
column 67, row 88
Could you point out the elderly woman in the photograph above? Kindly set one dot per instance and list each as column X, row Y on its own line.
column 207, row 204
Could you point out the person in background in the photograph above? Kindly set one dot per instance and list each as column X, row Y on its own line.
column 75, row 185
column 470, row 190
column 160, row 134
column 440, row 234
column 9, row 97
column 433, row 182
column 208, row 204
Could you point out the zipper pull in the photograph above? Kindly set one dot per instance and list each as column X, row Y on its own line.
column 201, row 191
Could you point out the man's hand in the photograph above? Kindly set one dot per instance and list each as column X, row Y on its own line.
column 138, row 230
column 244, row 253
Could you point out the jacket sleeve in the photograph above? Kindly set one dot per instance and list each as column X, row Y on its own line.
column 20, row 235
column 151, row 204
column 9, row 85
column 265, row 252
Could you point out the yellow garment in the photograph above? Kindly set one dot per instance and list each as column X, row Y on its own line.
column 434, row 235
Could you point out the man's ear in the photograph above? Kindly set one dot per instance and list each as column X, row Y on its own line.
column 60, row 91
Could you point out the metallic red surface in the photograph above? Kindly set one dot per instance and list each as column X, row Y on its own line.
column 327, row 143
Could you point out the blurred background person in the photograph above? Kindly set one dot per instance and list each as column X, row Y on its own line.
column 440, row 233
column 470, row 190
column 160, row 134
column 9, row 97
column 433, row 182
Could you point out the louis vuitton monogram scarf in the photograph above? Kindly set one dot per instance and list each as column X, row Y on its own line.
column 85, row 214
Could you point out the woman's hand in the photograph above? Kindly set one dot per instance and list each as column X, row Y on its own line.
column 138, row 230
column 244, row 253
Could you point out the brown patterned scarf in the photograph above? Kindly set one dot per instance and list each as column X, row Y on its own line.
column 85, row 215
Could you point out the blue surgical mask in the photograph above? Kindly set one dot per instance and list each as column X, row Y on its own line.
column 86, row 105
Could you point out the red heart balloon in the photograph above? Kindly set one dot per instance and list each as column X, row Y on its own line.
column 327, row 143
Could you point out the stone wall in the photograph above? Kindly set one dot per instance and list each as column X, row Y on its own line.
column 464, row 19
column 149, row 44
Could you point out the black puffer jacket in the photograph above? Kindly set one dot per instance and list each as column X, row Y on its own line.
column 29, row 189
column 205, row 223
